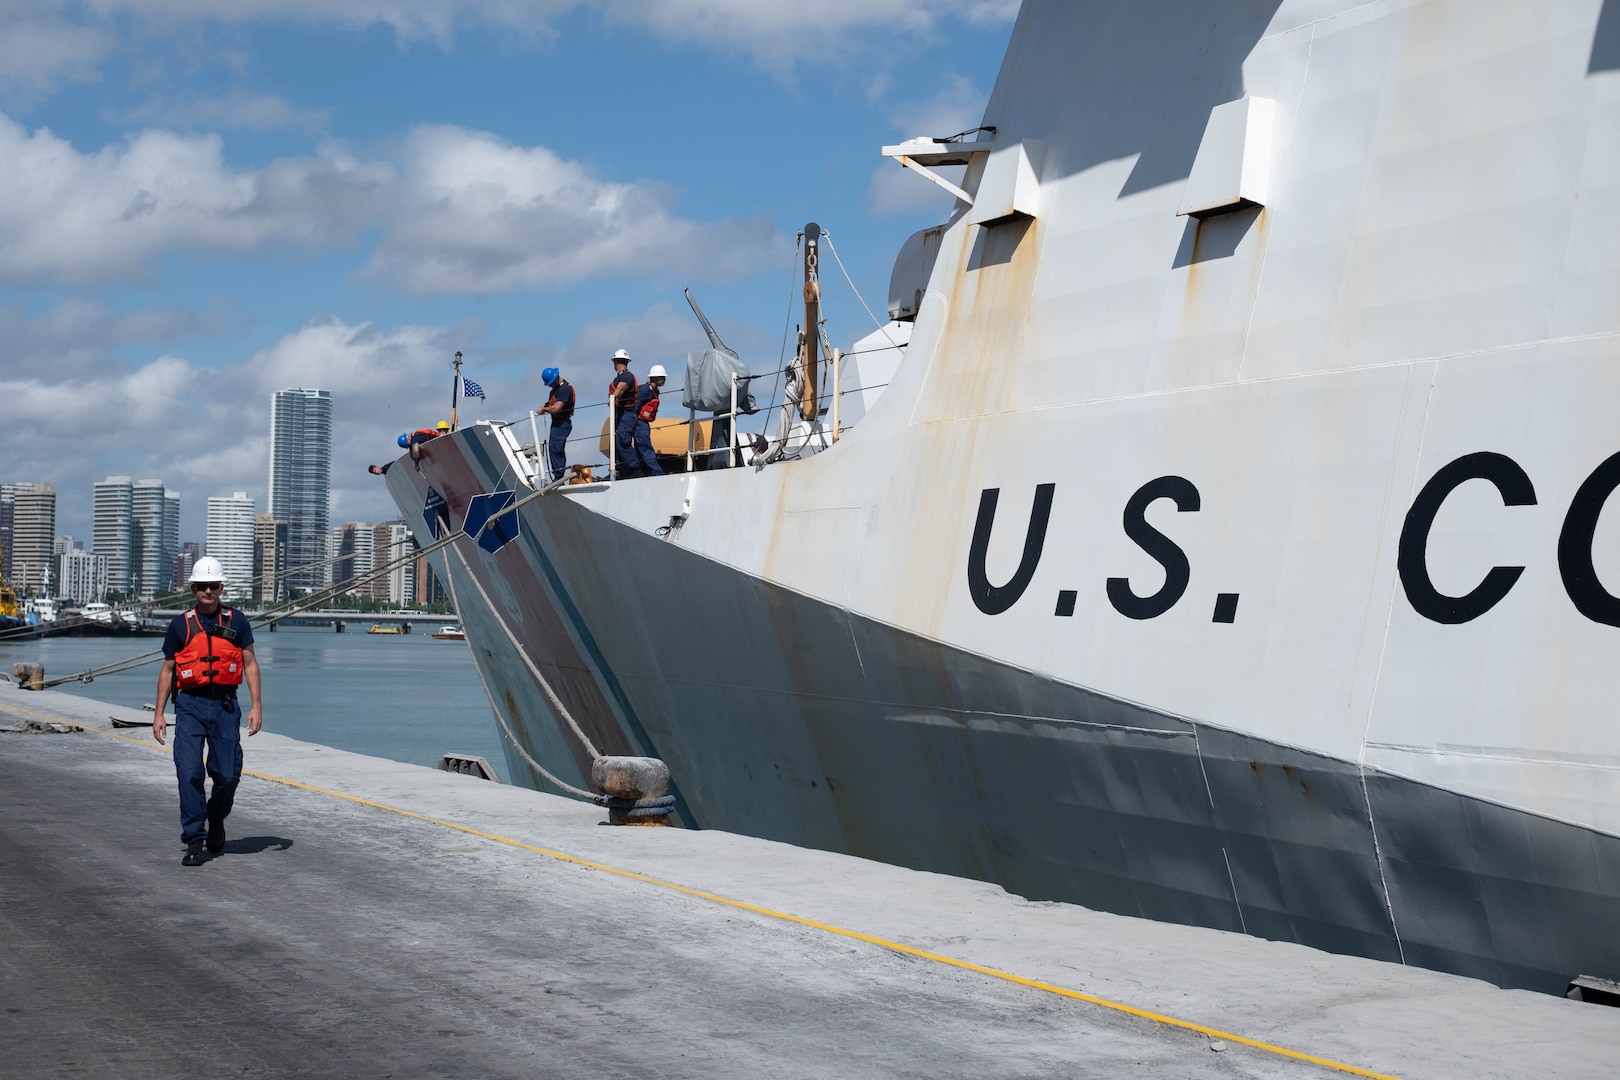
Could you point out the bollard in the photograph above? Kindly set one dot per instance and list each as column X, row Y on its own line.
column 29, row 676
column 635, row 790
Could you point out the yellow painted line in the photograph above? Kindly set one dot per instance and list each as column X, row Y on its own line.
column 741, row 905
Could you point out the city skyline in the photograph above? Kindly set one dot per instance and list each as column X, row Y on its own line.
column 135, row 551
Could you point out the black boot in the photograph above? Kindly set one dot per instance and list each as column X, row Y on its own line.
column 216, row 836
column 194, row 854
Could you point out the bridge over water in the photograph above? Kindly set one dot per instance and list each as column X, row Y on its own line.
column 340, row 620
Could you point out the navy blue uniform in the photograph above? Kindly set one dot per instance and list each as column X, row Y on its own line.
column 562, row 425
column 642, row 457
column 206, row 715
column 622, row 391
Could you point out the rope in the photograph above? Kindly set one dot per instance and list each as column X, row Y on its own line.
column 787, row 321
column 449, row 579
column 884, row 330
column 259, row 618
column 551, row 695
column 293, row 607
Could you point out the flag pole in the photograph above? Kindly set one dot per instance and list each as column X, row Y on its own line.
column 455, row 391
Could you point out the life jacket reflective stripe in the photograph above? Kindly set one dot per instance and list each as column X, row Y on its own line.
column 210, row 656
column 626, row 398
column 648, row 410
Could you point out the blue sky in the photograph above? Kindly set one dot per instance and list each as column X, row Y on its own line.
column 207, row 200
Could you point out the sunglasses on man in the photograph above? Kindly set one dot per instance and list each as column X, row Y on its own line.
column 207, row 586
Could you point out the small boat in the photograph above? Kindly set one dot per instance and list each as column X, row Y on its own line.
column 379, row 628
column 450, row 633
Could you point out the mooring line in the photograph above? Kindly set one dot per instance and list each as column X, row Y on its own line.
column 782, row 916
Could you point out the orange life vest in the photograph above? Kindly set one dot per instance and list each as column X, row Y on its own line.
column 210, row 656
column 624, row 400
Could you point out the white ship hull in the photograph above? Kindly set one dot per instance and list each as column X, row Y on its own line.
column 1257, row 572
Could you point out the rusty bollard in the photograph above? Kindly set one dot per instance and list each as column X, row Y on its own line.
column 635, row 790
column 29, row 676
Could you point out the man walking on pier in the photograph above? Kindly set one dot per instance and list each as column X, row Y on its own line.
column 207, row 653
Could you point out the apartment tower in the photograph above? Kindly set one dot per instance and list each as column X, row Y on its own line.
column 230, row 540
column 301, row 478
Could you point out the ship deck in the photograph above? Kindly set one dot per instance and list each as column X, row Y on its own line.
column 378, row 919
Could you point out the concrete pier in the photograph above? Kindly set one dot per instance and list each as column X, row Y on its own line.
column 376, row 919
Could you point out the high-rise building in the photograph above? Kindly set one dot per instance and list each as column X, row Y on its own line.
column 190, row 552
column 112, row 522
column 154, row 538
column 269, row 558
column 171, row 539
column 82, row 576
column 8, row 494
column 429, row 589
column 64, row 544
column 390, row 543
column 350, row 546
column 230, row 540
column 33, row 529
column 301, row 478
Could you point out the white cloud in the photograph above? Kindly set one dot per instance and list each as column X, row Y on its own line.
column 67, row 216
column 46, row 43
column 203, row 430
column 765, row 30
column 785, row 32
column 40, row 50
column 73, row 339
column 897, row 190
column 956, row 106
column 461, row 212
column 237, row 111
column 477, row 214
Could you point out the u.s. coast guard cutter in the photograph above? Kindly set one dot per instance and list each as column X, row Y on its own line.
column 1236, row 543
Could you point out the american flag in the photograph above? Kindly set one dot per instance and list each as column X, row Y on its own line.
column 472, row 389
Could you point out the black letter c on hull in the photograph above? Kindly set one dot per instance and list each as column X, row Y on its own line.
column 1177, row 571
column 1412, row 560
column 994, row 599
column 1575, row 546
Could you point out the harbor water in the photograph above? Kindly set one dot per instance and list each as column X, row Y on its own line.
column 406, row 697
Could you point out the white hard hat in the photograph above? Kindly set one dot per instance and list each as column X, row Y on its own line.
column 207, row 568
column 657, row 372
column 621, row 356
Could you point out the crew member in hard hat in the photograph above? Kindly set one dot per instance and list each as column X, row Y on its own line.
column 560, row 407
column 622, row 396
column 409, row 441
column 207, row 656
column 646, row 462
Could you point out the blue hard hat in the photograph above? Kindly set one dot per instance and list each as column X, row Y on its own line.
column 549, row 375
column 404, row 441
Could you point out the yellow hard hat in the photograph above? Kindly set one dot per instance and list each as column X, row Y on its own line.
column 444, row 425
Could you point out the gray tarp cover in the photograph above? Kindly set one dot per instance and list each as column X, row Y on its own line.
column 708, row 381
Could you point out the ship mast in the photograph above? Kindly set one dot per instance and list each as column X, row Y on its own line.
column 455, row 390
column 810, row 337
